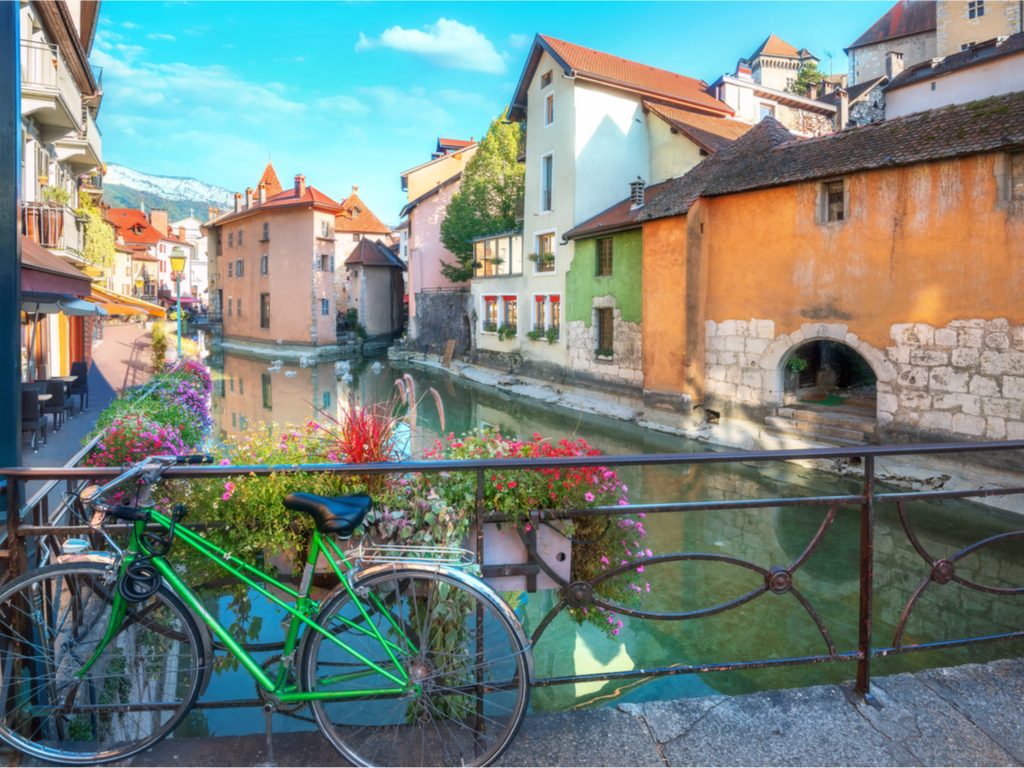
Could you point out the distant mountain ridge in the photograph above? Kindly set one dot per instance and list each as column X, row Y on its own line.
column 127, row 188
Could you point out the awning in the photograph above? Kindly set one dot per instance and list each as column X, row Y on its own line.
column 34, row 302
column 71, row 306
column 188, row 300
column 118, row 304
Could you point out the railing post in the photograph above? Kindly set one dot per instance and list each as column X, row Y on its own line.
column 867, row 552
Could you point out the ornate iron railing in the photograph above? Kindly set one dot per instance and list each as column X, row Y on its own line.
column 34, row 524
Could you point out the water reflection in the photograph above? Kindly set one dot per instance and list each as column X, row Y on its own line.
column 771, row 626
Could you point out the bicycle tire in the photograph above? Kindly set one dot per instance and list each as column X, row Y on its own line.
column 460, row 681
column 140, row 688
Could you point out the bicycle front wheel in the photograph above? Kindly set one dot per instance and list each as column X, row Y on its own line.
column 458, row 652
column 141, row 686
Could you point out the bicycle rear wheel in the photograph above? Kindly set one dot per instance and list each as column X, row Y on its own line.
column 139, row 689
column 461, row 647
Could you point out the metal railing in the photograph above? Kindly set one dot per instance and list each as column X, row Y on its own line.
column 43, row 69
column 52, row 226
column 93, row 136
column 777, row 579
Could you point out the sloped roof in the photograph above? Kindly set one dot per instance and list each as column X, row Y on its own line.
column 269, row 178
column 429, row 193
column 617, row 218
column 907, row 17
column 443, row 144
column 125, row 220
column 615, row 71
column 370, row 253
column 286, row 199
column 770, row 156
column 855, row 92
column 708, row 132
column 776, row 46
column 982, row 53
column 356, row 217
column 34, row 256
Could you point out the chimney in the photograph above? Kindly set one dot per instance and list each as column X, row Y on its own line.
column 842, row 109
column 636, row 193
column 261, row 192
column 248, row 198
column 812, row 91
column 893, row 64
column 354, row 189
column 181, row 233
column 827, row 86
column 743, row 70
column 300, row 185
column 213, row 213
column 238, row 201
column 158, row 218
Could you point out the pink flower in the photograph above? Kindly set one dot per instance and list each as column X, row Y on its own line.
column 640, row 569
column 615, row 631
column 588, row 496
column 623, row 503
column 527, row 526
column 226, row 496
column 224, row 462
column 604, row 560
column 229, row 487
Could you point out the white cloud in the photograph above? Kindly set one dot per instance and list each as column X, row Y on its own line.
column 412, row 107
column 342, row 103
column 446, row 44
column 129, row 25
column 161, row 36
column 199, row 29
column 518, row 41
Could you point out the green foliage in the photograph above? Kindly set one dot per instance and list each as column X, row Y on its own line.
column 159, row 347
column 797, row 364
column 57, row 195
column 120, row 196
column 535, row 335
column 99, row 240
column 506, row 332
column 491, row 327
column 491, row 185
column 805, row 78
column 605, row 352
column 552, row 335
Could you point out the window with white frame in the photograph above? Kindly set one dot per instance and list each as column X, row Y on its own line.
column 549, row 109
column 510, row 311
column 490, row 314
column 547, row 313
column 546, row 181
column 540, row 313
column 239, row 267
column 766, row 110
column 229, row 315
column 545, row 255
column 231, row 269
column 325, row 228
column 498, row 256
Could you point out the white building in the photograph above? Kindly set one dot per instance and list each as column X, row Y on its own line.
column 189, row 229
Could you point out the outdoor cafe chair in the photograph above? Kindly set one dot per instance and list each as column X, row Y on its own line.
column 59, row 404
column 32, row 418
column 81, row 385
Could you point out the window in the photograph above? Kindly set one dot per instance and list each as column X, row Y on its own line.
column 540, row 312
column 325, row 228
column 266, row 230
column 325, row 262
column 545, row 79
column 128, row 271
column 965, row 46
column 232, row 379
column 327, row 399
column 545, row 253
column 835, row 209
column 510, row 315
column 355, row 237
column 490, row 317
column 555, row 320
column 766, row 110
column 229, row 315
column 231, row 269
column 1017, row 176
column 220, row 246
column 264, row 310
column 546, row 177
column 325, row 307
column 238, row 307
column 268, row 393
column 976, row 9
column 233, row 422
column 790, row 82
column 332, row 262
column 239, row 267
column 239, row 238
column 604, row 257
column 605, row 332
column 549, row 109
column 264, row 265
column 241, row 386
column 231, row 239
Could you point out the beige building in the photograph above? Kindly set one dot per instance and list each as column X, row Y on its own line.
column 355, row 223
column 272, row 269
column 922, row 30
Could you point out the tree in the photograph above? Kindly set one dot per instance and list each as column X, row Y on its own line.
column 805, row 78
column 491, row 185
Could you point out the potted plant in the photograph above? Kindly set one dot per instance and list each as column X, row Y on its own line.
column 55, row 195
column 490, row 327
column 605, row 353
column 535, row 335
column 541, row 259
column 551, row 335
column 506, row 332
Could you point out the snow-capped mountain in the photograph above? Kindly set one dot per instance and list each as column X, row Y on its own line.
column 168, row 187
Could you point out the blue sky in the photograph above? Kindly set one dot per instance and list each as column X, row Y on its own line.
column 355, row 93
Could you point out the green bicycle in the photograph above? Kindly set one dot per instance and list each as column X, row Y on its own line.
column 408, row 661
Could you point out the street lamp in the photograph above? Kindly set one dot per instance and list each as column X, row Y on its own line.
column 177, row 267
column 139, row 283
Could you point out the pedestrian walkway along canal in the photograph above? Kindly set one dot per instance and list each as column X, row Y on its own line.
column 246, row 393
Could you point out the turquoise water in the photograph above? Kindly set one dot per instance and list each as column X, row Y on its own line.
column 771, row 626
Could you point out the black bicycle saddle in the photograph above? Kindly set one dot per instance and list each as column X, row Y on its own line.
column 338, row 514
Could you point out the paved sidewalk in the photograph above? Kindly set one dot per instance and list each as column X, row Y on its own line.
column 969, row 715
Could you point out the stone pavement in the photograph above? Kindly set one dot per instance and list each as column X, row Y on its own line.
column 968, row 715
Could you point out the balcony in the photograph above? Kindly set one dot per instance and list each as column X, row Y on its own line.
column 48, row 91
column 81, row 150
column 53, row 226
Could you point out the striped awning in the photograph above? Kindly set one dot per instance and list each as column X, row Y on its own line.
column 118, row 304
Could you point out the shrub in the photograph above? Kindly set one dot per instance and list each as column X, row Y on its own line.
column 133, row 437
column 159, row 347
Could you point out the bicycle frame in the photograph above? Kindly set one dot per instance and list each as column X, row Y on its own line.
column 300, row 614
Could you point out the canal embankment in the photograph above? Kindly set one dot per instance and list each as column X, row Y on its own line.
column 932, row 473
column 967, row 715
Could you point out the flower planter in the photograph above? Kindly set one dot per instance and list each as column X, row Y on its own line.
column 508, row 549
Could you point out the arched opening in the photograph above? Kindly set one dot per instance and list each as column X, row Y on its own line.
column 829, row 373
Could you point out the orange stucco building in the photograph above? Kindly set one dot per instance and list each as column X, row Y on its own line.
column 902, row 241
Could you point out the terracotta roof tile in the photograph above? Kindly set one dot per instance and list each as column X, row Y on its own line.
column 453, row 144
column 710, row 133
column 776, row 46
column 618, row 217
column 907, row 17
column 370, row 253
column 286, row 199
column 356, row 217
column 127, row 219
column 982, row 53
column 770, row 156
column 269, row 178
column 635, row 76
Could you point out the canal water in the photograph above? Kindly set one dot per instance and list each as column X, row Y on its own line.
column 771, row 626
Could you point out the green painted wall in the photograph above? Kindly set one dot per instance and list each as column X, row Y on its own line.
column 625, row 283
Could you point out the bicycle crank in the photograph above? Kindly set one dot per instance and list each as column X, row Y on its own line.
column 272, row 667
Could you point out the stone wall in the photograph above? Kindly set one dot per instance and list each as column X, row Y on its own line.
column 868, row 62
column 626, row 364
column 870, row 109
column 444, row 316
